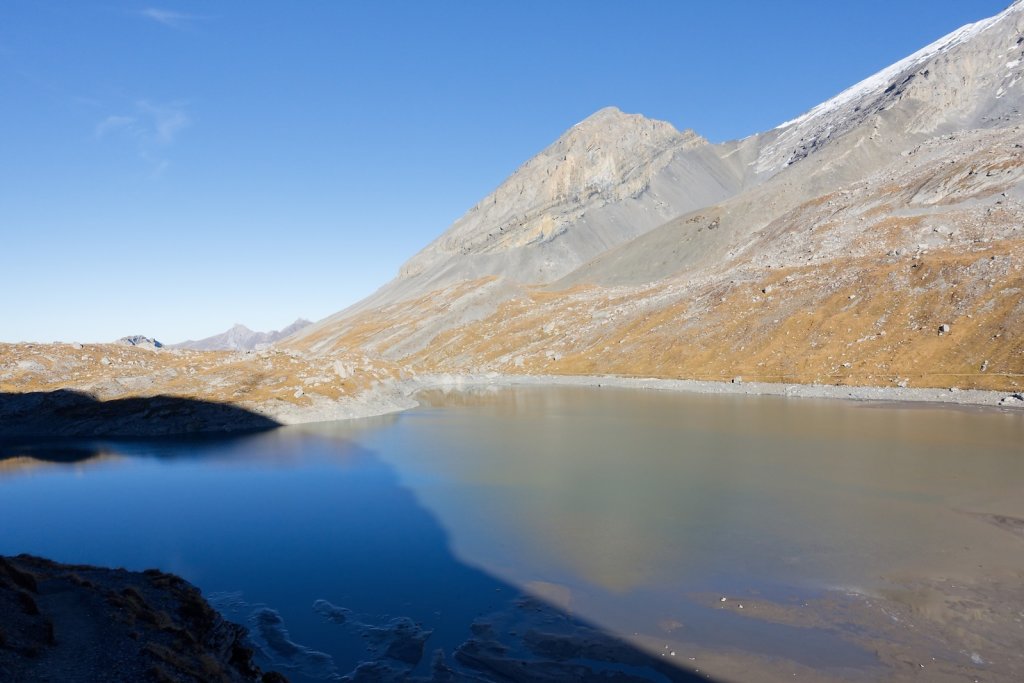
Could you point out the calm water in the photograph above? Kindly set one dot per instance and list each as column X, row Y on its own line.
column 619, row 507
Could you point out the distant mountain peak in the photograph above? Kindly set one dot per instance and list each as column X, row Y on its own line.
column 141, row 341
column 241, row 338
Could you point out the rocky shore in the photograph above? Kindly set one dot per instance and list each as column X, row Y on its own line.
column 72, row 623
column 737, row 385
column 116, row 390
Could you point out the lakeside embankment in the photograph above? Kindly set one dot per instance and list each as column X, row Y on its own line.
column 128, row 391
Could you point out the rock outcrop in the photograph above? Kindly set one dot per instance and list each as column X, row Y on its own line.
column 140, row 341
column 76, row 623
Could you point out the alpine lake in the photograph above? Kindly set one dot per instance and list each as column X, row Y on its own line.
column 548, row 533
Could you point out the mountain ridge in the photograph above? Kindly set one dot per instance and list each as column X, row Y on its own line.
column 241, row 338
column 842, row 183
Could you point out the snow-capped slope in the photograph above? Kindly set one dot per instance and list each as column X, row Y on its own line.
column 955, row 82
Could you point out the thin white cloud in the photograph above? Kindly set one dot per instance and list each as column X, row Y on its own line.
column 151, row 123
column 151, row 127
column 114, row 123
column 167, row 17
column 165, row 120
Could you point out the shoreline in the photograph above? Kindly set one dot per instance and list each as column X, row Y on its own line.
column 396, row 396
column 969, row 398
column 41, row 416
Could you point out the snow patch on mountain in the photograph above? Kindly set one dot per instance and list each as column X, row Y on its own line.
column 885, row 76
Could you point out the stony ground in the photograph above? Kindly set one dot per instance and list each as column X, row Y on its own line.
column 78, row 623
column 265, row 387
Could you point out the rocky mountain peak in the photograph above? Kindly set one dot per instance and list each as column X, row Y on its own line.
column 612, row 126
column 608, row 157
column 141, row 341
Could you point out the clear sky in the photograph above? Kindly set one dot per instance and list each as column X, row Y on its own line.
column 170, row 169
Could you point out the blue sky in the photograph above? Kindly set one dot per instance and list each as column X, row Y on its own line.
column 170, row 169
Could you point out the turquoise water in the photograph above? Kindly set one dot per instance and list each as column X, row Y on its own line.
column 618, row 508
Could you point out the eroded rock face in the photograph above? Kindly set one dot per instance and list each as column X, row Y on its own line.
column 80, row 623
column 605, row 158
column 606, row 180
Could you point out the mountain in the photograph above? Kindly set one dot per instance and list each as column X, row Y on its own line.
column 874, row 239
column 608, row 179
column 605, row 181
column 141, row 341
column 241, row 338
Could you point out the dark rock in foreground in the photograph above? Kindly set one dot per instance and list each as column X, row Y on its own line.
column 78, row 623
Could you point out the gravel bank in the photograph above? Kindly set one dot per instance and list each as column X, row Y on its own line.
column 966, row 397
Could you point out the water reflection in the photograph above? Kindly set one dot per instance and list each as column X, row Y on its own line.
column 627, row 509
column 640, row 500
column 628, row 488
column 312, row 541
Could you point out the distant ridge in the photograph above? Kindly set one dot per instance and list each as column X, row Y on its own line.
column 241, row 338
column 140, row 341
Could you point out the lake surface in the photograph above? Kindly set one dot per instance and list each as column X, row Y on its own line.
column 649, row 517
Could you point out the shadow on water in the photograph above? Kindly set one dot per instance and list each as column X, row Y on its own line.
column 337, row 569
column 72, row 413
column 38, row 428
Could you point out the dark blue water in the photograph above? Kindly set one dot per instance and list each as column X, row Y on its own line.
column 616, row 508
